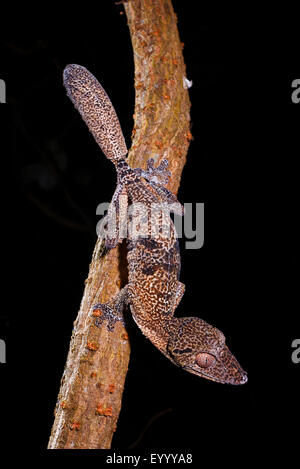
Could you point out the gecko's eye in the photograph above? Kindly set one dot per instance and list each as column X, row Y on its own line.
column 205, row 360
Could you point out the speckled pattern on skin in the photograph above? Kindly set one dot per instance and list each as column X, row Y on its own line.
column 153, row 291
column 94, row 105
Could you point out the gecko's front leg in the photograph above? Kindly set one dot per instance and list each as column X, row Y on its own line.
column 112, row 311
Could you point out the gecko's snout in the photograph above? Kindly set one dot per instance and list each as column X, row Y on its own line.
column 242, row 380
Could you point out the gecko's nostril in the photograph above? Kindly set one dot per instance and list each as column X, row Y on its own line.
column 244, row 378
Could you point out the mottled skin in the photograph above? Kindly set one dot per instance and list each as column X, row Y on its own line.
column 153, row 291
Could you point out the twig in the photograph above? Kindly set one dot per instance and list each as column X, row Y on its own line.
column 89, row 400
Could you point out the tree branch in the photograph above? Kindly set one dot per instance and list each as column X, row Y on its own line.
column 89, row 400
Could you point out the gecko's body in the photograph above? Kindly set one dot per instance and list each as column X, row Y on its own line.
column 153, row 290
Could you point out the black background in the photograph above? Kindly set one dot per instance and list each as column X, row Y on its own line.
column 241, row 164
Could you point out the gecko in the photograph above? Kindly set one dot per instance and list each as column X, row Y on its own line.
column 154, row 290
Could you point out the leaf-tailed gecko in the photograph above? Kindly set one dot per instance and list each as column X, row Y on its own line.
column 153, row 291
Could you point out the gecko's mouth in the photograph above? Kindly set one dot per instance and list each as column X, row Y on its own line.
column 227, row 378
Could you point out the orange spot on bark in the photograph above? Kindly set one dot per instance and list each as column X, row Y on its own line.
column 63, row 404
column 149, row 105
column 105, row 411
column 75, row 425
column 169, row 81
column 92, row 345
column 108, row 411
column 112, row 388
column 97, row 313
column 124, row 336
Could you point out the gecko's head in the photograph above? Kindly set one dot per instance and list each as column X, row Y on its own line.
column 200, row 349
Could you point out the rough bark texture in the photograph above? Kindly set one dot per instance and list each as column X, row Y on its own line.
column 91, row 390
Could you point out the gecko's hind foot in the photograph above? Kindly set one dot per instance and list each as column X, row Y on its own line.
column 159, row 175
column 104, row 311
column 158, row 178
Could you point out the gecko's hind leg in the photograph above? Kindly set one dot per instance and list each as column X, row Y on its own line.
column 158, row 178
column 168, row 197
column 112, row 311
column 113, row 225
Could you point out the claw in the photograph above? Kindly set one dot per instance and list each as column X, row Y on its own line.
column 150, row 164
column 164, row 164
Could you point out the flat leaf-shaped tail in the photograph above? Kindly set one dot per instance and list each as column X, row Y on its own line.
column 96, row 109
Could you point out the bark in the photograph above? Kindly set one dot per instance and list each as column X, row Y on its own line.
column 89, row 400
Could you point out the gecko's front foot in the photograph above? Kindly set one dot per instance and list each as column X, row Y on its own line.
column 104, row 311
column 111, row 311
